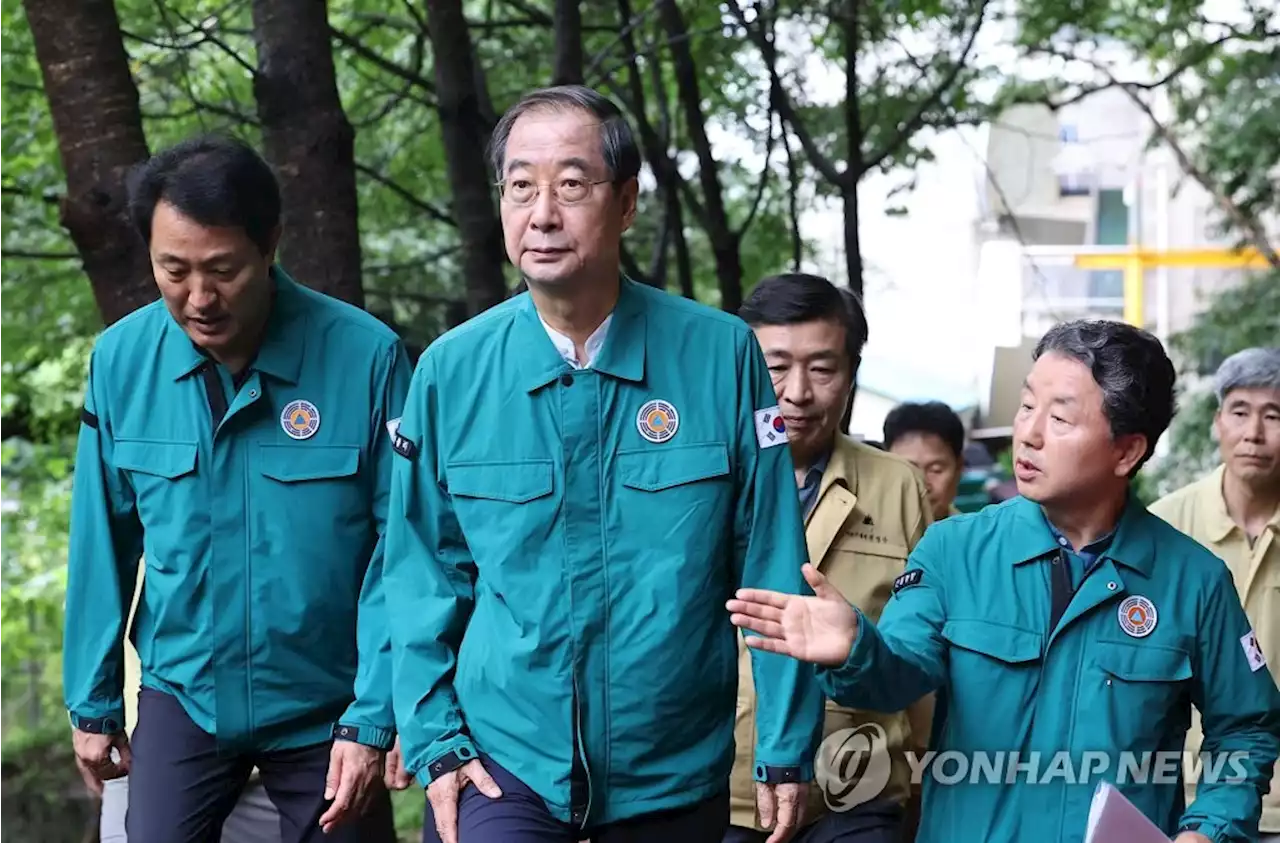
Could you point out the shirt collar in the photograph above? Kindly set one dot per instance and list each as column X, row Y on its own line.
column 592, row 346
column 1132, row 542
column 1218, row 521
column 622, row 349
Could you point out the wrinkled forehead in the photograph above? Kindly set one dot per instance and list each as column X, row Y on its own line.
column 555, row 139
column 1252, row 398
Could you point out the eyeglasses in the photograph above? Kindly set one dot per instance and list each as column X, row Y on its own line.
column 566, row 191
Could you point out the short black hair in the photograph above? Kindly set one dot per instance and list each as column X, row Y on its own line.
column 617, row 142
column 928, row 417
column 1131, row 368
column 792, row 298
column 215, row 180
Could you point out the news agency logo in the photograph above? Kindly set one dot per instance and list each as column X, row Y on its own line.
column 853, row 766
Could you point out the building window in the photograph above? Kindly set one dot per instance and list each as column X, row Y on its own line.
column 1072, row 164
column 1112, row 227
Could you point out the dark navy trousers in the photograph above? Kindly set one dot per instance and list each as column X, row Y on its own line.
column 873, row 822
column 181, row 790
column 520, row 816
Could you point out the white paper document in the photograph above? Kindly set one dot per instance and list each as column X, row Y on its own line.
column 1114, row 819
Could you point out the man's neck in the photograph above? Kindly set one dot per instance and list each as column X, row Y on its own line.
column 804, row 463
column 1250, row 507
column 1084, row 524
column 577, row 313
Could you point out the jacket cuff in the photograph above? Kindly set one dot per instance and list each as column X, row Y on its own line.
column 457, row 754
column 112, row 723
column 1213, row 830
column 772, row 774
column 367, row 735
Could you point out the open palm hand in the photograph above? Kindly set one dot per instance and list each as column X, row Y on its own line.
column 819, row 629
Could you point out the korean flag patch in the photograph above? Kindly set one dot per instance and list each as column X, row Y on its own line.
column 770, row 428
column 401, row 445
column 1252, row 651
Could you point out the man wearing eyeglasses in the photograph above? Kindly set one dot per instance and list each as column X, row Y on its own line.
column 586, row 473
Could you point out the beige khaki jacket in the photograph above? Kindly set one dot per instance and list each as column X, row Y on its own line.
column 1200, row 511
column 870, row 511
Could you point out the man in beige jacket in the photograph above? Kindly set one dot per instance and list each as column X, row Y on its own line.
column 1235, row 512
column 864, row 511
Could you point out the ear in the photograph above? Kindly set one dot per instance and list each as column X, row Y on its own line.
column 273, row 242
column 628, row 195
column 1130, row 448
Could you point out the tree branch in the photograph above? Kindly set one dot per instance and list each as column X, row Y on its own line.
column 46, row 198
column 399, row 190
column 23, row 254
column 373, row 57
column 916, row 121
column 783, row 104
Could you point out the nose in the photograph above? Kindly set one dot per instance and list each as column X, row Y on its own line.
column 545, row 213
column 1255, row 429
column 795, row 388
column 203, row 293
column 1029, row 431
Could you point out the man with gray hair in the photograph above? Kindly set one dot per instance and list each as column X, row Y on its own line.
column 1235, row 512
column 586, row 472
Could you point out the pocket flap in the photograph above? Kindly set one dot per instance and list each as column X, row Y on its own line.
column 513, row 482
column 1004, row 643
column 654, row 469
column 1143, row 662
column 155, row 456
column 295, row 463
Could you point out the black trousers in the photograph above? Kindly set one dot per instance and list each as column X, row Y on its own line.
column 181, row 790
column 872, row 822
column 521, row 816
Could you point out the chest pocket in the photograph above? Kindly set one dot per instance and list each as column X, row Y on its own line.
column 679, row 486
column 863, row 570
column 984, row 656
column 305, row 484
column 1141, row 691
column 158, row 470
column 498, row 505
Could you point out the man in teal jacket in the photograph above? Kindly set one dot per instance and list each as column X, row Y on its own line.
column 587, row 472
column 1068, row 625
column 235, row 436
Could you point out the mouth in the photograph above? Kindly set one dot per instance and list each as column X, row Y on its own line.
column 207, row 324
column 798, row 422
column 1025, row 469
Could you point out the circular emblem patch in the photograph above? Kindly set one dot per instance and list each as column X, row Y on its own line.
column 1137, row 616
column 300, row 419
column 658, row 421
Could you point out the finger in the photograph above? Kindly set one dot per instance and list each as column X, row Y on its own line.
column 755, row 610
column 764, row 802
column 770, row 629
column 91, row 780
column 403, row 779
column 444, row 807
column 771, row 645
column 334, row 775
column 126, row 754
column 786, row 819
column 483, row 781
column 342, row 800
column 759, row 595
column 820, row 585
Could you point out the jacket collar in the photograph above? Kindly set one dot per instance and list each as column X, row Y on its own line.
column 622, row 357
column 1133, row 545
column 283, row 344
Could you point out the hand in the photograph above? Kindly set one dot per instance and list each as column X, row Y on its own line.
column 396, row 776
column 784, row 802
column 817, row 629
column 1191, row 837
column 443, row 795
column 93, row 757
column 354, row 770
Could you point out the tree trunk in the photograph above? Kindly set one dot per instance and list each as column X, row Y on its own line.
column 311, row 144
column 464, row 134
column 98, row 124
column 853, row 135
column 724, row 242
column 568, row 29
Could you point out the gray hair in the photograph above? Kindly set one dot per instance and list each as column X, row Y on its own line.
column 617, row 142
column 1131, row 368
column 1253, row 368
